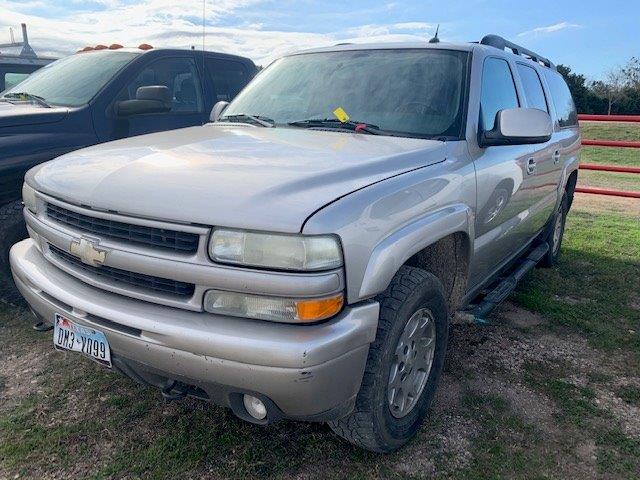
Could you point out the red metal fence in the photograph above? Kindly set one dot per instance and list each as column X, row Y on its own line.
column 610, row 144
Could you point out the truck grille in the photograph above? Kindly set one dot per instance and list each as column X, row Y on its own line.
column 148, row 236
column 147, row 282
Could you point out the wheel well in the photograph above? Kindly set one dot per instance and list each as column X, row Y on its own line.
column 571, row 186
column 447, row 259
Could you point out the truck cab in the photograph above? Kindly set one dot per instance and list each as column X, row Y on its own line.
column 92, row 97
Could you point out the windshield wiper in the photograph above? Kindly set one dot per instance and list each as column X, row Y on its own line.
column 29, row 96
column 335, row 123
column 255, row 119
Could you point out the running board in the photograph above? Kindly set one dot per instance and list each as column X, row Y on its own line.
column 507, row 284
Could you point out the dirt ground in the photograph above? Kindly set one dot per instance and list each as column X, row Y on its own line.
column 490, row 394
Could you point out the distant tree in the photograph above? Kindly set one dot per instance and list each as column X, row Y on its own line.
column 585, row 99
column 611, row 89
column 631, row 73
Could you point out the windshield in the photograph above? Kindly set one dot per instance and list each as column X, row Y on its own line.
column 74, row 80
column 412, row 92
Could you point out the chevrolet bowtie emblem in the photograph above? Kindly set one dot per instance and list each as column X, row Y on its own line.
column 88, row 252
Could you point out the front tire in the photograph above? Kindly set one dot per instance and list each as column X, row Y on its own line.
column 404, row 364
column 12, row 230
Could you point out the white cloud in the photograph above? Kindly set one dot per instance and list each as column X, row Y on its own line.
column 176, row 24
column 556, row 27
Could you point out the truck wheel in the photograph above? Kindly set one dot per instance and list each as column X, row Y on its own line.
column 556, row 232
column 12, row 230
column 404, row 364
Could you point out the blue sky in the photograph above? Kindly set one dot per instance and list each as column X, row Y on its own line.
column 591, row 37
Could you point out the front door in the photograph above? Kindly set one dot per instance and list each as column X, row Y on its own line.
column 506, row 179
column 180, row 76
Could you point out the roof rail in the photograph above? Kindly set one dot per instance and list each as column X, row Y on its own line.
column 500, row 43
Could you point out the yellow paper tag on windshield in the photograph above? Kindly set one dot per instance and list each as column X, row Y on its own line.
column 341, row 115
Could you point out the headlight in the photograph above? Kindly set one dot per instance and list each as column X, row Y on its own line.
column 273, row 250
column 276, row 309
column 29, row 197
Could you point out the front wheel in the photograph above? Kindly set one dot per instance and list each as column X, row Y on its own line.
column 404, row 364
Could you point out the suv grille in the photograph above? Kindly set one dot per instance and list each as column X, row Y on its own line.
column 138, row 234
column 148, row 282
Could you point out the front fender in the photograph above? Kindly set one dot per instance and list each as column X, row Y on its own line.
column 392, row 252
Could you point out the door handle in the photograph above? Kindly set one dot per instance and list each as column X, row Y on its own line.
column 556, row 157
column 531, row 166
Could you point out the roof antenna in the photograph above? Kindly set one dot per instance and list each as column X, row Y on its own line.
column 435, row 38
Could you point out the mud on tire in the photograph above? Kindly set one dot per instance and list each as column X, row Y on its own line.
column 372, row 425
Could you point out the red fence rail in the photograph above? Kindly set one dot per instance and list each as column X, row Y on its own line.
column 610, row 144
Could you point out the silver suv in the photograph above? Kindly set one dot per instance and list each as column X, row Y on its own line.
column 302, row 255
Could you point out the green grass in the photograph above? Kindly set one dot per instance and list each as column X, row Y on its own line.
column 630, row 394
column 610, row 156
column 596, row 282
column 610, row 131
column 496, row 454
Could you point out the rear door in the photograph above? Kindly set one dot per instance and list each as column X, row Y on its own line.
column 545, row 156
column 566, row 135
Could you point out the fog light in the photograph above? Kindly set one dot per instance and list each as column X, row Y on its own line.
column 255, row 407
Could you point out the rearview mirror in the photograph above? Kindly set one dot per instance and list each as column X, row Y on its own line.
column 151, row 99
column 217, row 110
column 518, row 126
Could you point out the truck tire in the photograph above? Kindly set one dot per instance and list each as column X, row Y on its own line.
column 556, row 232
column 12, row 230
column 404, row 364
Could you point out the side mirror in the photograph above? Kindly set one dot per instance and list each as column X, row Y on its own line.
column 152, row 99
column 217, row 110
column 518, row 126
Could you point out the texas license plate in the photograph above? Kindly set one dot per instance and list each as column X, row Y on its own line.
column 68, row 335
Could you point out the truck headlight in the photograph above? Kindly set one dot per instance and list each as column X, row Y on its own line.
column 275, row 309
column 29, row 197
column 275, row 250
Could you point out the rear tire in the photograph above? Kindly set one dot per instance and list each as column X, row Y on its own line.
column 12, row 230
column 556, row 232
column 413, row 302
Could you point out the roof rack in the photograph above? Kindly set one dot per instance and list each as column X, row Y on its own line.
column 500, row 43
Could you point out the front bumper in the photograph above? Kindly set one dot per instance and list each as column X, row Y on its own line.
column 308, row 372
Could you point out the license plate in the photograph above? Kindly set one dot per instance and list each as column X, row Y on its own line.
column 68, row 335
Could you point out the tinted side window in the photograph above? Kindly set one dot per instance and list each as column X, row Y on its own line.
column 179, row 75
column 533, row 92
column 228, row 78
column 12, row 79
column 562, row 100
column 498, row 90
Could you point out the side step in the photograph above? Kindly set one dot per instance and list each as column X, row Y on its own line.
column 507, row 284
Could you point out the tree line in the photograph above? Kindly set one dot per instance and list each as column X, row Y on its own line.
column 618, row 93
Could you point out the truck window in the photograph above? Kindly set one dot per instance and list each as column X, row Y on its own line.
column 409, row 92
column 498, row 90
column 562, row 100
column 179, row 75
column 533, row 91
column 74, row 80
column 227, row 76
column 12, row 79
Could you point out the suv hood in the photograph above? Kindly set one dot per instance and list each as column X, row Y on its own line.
column 15, row 115
column 233, row 176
